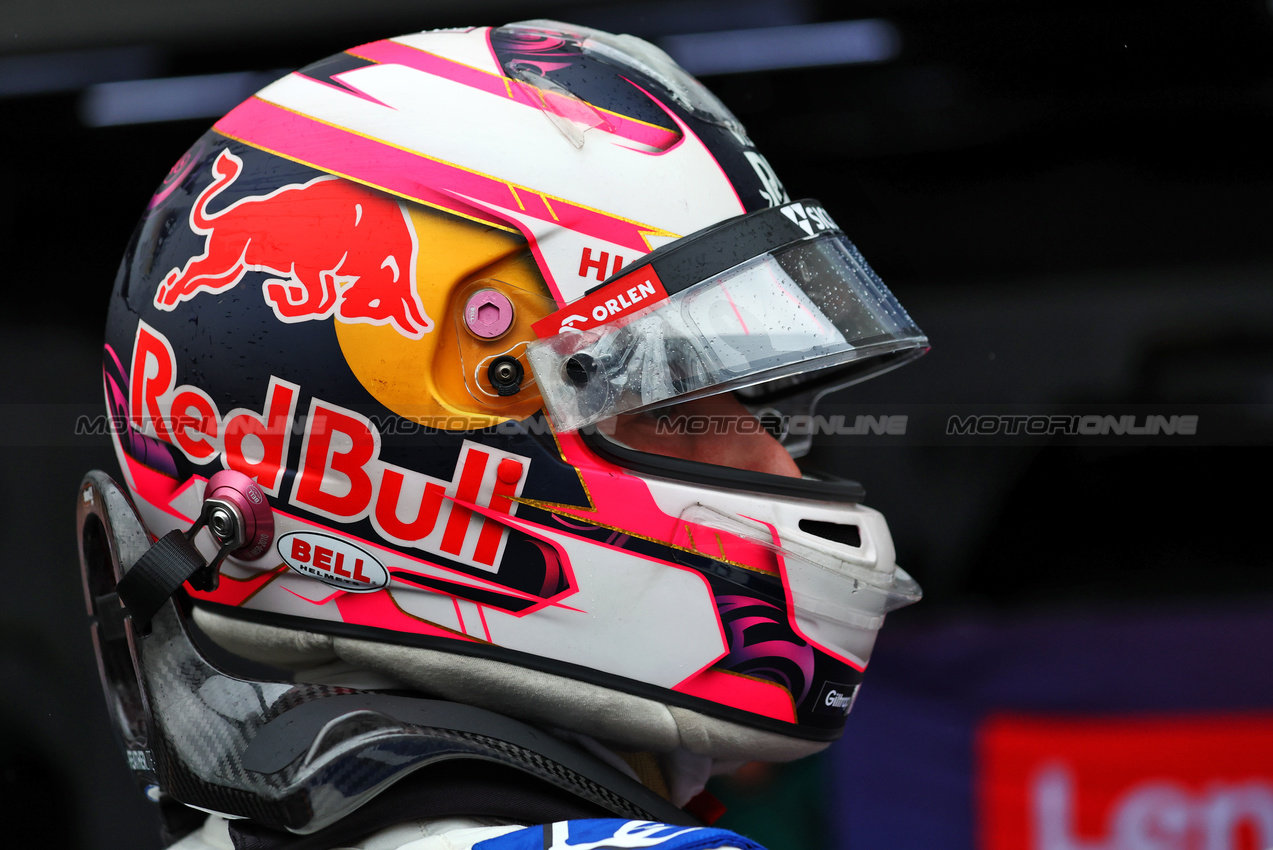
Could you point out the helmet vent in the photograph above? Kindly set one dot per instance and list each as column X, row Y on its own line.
column 848, row 535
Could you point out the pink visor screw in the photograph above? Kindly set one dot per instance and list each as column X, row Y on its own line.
column 488, row 314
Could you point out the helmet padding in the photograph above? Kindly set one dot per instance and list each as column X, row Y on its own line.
column 623, row 720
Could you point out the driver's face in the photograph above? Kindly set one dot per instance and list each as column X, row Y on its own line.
column 738, row 448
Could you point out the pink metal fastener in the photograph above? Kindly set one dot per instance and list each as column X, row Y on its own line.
column 253, row 507
column 488, row 314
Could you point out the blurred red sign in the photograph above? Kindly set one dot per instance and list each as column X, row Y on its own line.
column 1196, row 782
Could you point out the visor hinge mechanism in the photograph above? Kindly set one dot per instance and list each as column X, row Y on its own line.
column 174, row 559
column 505, row 374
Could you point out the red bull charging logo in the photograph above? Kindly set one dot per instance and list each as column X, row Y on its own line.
column 334, row 248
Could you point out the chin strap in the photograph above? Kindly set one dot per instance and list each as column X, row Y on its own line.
column 237, row 514
column 160, row 573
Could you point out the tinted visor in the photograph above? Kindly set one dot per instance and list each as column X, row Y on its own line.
column 796, row 306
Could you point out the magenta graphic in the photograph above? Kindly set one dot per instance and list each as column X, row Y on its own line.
column 541, row 50
column 334, row 248
column 176, row 175
column 393, row 53
column 761, row 644
column 145, row 450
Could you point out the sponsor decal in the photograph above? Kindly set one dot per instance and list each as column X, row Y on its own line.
column 352, row 254
column 809, row 217
column 333, row 561
column 635, row 291
column 599, row 264
column 341, row 476
column 247, row 441
column 1202, row 782
column 835, row 698
column 771, row 187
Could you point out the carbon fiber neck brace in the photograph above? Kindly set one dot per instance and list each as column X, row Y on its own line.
column 296, row 758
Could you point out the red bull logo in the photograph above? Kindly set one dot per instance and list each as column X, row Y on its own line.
column 341, row 475
column 334, row 248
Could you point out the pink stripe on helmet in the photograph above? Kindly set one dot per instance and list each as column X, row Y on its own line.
column 755, row 695
column 236, row 591
column 379, row 610
column 155, row 488
column 415, row 176
column 388, row 52
column 641, row 515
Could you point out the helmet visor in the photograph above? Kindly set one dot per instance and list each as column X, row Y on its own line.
column 805, row 306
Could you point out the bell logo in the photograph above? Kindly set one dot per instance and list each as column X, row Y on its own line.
column 333, row 561
column 1201, row 782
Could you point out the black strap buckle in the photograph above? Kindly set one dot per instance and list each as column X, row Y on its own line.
column 174, row 560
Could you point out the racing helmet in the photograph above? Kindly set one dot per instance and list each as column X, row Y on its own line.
column 417, row 291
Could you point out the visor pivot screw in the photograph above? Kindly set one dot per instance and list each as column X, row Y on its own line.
column 488, row 314
column 579, row 369
column 506, row 375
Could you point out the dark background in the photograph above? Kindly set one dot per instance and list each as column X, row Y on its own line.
column 1072, row 199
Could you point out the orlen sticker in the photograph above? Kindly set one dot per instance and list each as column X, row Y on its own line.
column 631, row 293
column 333, row 561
